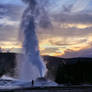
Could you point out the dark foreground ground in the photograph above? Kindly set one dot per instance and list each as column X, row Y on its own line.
column 51, row 89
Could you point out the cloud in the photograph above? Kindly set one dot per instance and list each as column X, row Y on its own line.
column 79, row 5
column 82, row 18
column 12, row 11
column 70, row 33
column 8, row 33
column 68, row 25
column 87, row 52
column 64, row 32
column 79, row 26
column 60, row 43
column 75, row 32
column 16, row 2
column 10, row 17
column 6, row 21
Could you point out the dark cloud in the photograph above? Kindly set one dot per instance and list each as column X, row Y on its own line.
column 9, row 33
column 75, row 32
column 10, row 17
column 12, row 11
column 73, row 18
column 82, row 41
column 82, row 53
column 67, row 8
column 8, row 28
column 45, row 22
column 70, row 32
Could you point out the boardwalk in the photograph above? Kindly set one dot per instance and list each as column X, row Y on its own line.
column 51, row 89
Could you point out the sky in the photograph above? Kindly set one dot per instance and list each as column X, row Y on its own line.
column 69, row 35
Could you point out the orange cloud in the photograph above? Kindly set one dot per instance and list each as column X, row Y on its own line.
column 61, row 45
column 9, row 45
column 79, row 26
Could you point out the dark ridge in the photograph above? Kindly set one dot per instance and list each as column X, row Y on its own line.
column 7, row 63
column 69, row 70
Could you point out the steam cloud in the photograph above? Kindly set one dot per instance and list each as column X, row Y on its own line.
column 33, row 66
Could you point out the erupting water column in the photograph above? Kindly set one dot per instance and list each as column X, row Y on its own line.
column 32, row 67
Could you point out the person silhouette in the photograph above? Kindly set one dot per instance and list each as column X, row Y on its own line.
column 32, row 82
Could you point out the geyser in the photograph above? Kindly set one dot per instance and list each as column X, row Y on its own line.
column 33, row 66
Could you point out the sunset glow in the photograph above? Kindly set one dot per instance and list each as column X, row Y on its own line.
column 80, row 26
column 67, row 33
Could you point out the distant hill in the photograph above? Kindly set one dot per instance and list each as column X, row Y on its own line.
column 67, row 60
column 70, row 70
